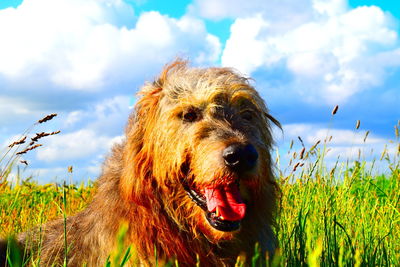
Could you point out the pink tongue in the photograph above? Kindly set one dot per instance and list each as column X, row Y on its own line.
column 227, row 200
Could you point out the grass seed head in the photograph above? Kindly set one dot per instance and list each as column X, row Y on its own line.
column 295, row 166
column 384, row 152
column 43, row 134
column 38, row 136
column 19, row 142
column 315, row 145
column 34, row 147
column 47, row 118
column 335, row 109
column 332, row 172
column 28, row 149
column 366, row 135
column 302, row 153
column 358, row 124
column 301, row 141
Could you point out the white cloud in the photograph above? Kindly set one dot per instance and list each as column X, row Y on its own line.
column 97, row 128
column 17, row 113
column 73, row 117
column 76, row 145
column 38, row 30
column 345, row 143
column 286, row 12
column 107, row 116
column 89, row 44
column 311, row 133
column 330, row 51
column 243, row 50
column 329, row 7
column 13, row 107
column 332, row 55
column 345, row 147
column 85, row 139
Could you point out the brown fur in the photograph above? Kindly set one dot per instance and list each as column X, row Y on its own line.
column 141, row 182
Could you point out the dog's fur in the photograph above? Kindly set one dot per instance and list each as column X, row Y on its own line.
column 142, row 180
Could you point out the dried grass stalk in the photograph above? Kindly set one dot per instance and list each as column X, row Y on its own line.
column 47, row 118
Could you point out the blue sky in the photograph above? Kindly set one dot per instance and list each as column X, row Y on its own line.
column 85, row 59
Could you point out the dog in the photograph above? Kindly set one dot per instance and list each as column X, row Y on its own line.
column 192, row 181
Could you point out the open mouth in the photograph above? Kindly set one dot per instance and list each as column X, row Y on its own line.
column 223, row 206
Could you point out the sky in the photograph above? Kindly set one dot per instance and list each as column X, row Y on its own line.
column 85, row 59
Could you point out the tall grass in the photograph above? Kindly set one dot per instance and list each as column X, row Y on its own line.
column 345, row 215
column 327, row 222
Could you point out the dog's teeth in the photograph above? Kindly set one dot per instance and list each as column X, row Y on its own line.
column 218, row 214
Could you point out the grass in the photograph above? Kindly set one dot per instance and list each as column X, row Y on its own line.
column 348, row 223
column 322, row 221
column 344, row 216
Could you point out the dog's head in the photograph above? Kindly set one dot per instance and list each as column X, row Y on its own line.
column 198, row 147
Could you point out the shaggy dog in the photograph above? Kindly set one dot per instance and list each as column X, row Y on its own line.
column 193, row 180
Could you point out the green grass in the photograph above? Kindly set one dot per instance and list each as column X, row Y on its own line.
column 323, row 220
column 348, row 215
column 354, row 222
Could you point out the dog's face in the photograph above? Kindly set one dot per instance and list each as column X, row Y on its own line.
column 210, row 142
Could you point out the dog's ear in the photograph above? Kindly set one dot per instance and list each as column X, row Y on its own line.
column 137, row 179
column 137, row 182
column 273, row 120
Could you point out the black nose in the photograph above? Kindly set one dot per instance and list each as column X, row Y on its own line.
column 240, row 157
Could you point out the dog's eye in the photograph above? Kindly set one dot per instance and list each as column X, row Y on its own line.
column 190, row 116
column 247, row 115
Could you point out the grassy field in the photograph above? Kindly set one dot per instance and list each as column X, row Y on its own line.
column 347, row 215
